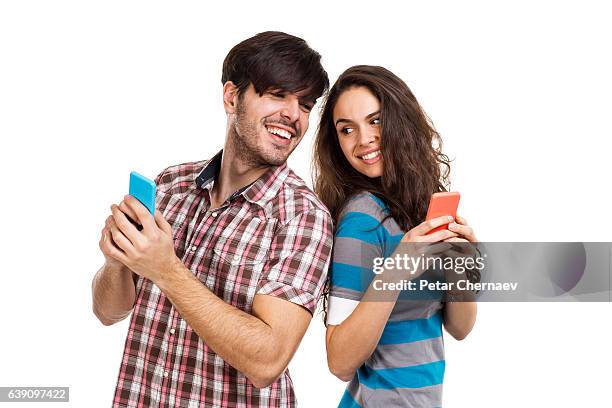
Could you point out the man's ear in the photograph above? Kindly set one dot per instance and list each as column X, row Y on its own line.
column 230, row 97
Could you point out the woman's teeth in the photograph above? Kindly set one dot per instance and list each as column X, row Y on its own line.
column 279, row 132
column 371, row 155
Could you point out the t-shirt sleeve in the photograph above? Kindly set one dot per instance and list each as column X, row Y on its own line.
column 360, row 237
column 300, row 254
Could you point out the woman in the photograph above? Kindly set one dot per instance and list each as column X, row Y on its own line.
column 377, row 163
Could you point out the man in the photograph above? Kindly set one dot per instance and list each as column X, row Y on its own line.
column 225, row 276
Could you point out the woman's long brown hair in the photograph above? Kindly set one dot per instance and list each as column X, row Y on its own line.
column 414, row 166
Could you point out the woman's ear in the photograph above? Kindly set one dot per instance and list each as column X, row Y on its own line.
column 230, row 97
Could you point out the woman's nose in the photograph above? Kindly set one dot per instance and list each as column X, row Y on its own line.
column 368, row 135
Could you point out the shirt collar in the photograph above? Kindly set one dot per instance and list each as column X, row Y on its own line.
column 259, row 192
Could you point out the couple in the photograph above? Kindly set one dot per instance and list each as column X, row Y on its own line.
column 224, row 279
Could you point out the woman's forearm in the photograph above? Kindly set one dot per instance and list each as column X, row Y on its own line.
column 354, row 340
column 459, row 318
column 351, row 343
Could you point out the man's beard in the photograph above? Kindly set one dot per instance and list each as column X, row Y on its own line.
column 244, row 138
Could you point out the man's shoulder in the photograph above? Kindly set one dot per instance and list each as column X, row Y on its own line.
column 295, row 198
column 179, row 177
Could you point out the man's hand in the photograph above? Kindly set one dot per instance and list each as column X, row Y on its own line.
column 106, row 245
column 150, row 252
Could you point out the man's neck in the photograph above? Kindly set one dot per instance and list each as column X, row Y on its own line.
column 234, row 174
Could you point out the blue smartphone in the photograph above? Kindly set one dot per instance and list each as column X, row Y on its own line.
column 143, row 190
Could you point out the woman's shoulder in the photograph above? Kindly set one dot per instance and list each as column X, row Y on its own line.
column 364, row 204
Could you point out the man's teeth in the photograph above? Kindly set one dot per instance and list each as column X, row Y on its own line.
column 371, row 155
column 280, row 132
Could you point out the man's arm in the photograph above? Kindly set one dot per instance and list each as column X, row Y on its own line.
column 114, row 285
column 259, row 345
column 113, row 293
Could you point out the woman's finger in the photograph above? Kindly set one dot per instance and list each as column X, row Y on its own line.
column 456, row 239
column 461, row 220
column 426, row 226
column 463, row 230
column 438, row 236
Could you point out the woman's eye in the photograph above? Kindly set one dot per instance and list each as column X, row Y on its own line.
column 376, row 121
column 347, row 130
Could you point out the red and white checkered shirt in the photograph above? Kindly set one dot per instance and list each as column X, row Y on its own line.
column 273, row 237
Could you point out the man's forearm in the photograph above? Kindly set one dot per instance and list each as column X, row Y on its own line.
column 113, row 293
column 245, row 342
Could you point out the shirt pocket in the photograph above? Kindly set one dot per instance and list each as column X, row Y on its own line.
column 240, row 255
column 236, row 258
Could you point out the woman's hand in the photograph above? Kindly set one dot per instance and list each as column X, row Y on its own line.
column 463, row 230
column 420, row 233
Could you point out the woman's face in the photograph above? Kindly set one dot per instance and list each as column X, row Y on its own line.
column 357, row 120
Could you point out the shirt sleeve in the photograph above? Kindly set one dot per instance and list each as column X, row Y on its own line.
column 300, row 254
column 360, row 237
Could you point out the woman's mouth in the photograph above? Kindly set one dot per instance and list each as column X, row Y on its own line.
column 371, row 157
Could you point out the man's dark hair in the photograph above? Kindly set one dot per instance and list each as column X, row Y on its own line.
column 275, row 60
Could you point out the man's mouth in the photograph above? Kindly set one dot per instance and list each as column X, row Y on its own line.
column 279, row 132
column 282, row 136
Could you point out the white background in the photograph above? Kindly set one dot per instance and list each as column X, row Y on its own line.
column 92, row 90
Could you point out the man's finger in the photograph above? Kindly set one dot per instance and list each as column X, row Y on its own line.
column 114, row 252
column 162, row 223
column 121, row 240
column 143, row 216
column 107, row 245
column 127, row 210
column 125, row 226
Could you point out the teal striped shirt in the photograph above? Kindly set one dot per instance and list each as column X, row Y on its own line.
column 407, row 366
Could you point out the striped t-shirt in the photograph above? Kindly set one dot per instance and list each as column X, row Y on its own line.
column 407, row 366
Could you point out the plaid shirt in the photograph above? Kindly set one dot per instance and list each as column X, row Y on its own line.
column 273, row 237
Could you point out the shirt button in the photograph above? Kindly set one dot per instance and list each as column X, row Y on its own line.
column 214, row 214
column 236, row 258
column 166, row 374
column 172, row 331
column 193, row 248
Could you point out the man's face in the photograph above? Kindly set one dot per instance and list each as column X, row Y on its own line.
column 267, row 128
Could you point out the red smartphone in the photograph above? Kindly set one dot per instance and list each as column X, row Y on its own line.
column 442, row 204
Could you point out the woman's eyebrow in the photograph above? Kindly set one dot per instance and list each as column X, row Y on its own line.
column 367, row 117
column 342, row 120
column 373, row 114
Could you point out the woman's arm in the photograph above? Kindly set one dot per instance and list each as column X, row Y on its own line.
column 459, row 318
column 353, row 340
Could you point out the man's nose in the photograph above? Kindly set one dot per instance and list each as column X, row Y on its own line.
column 291, row 109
